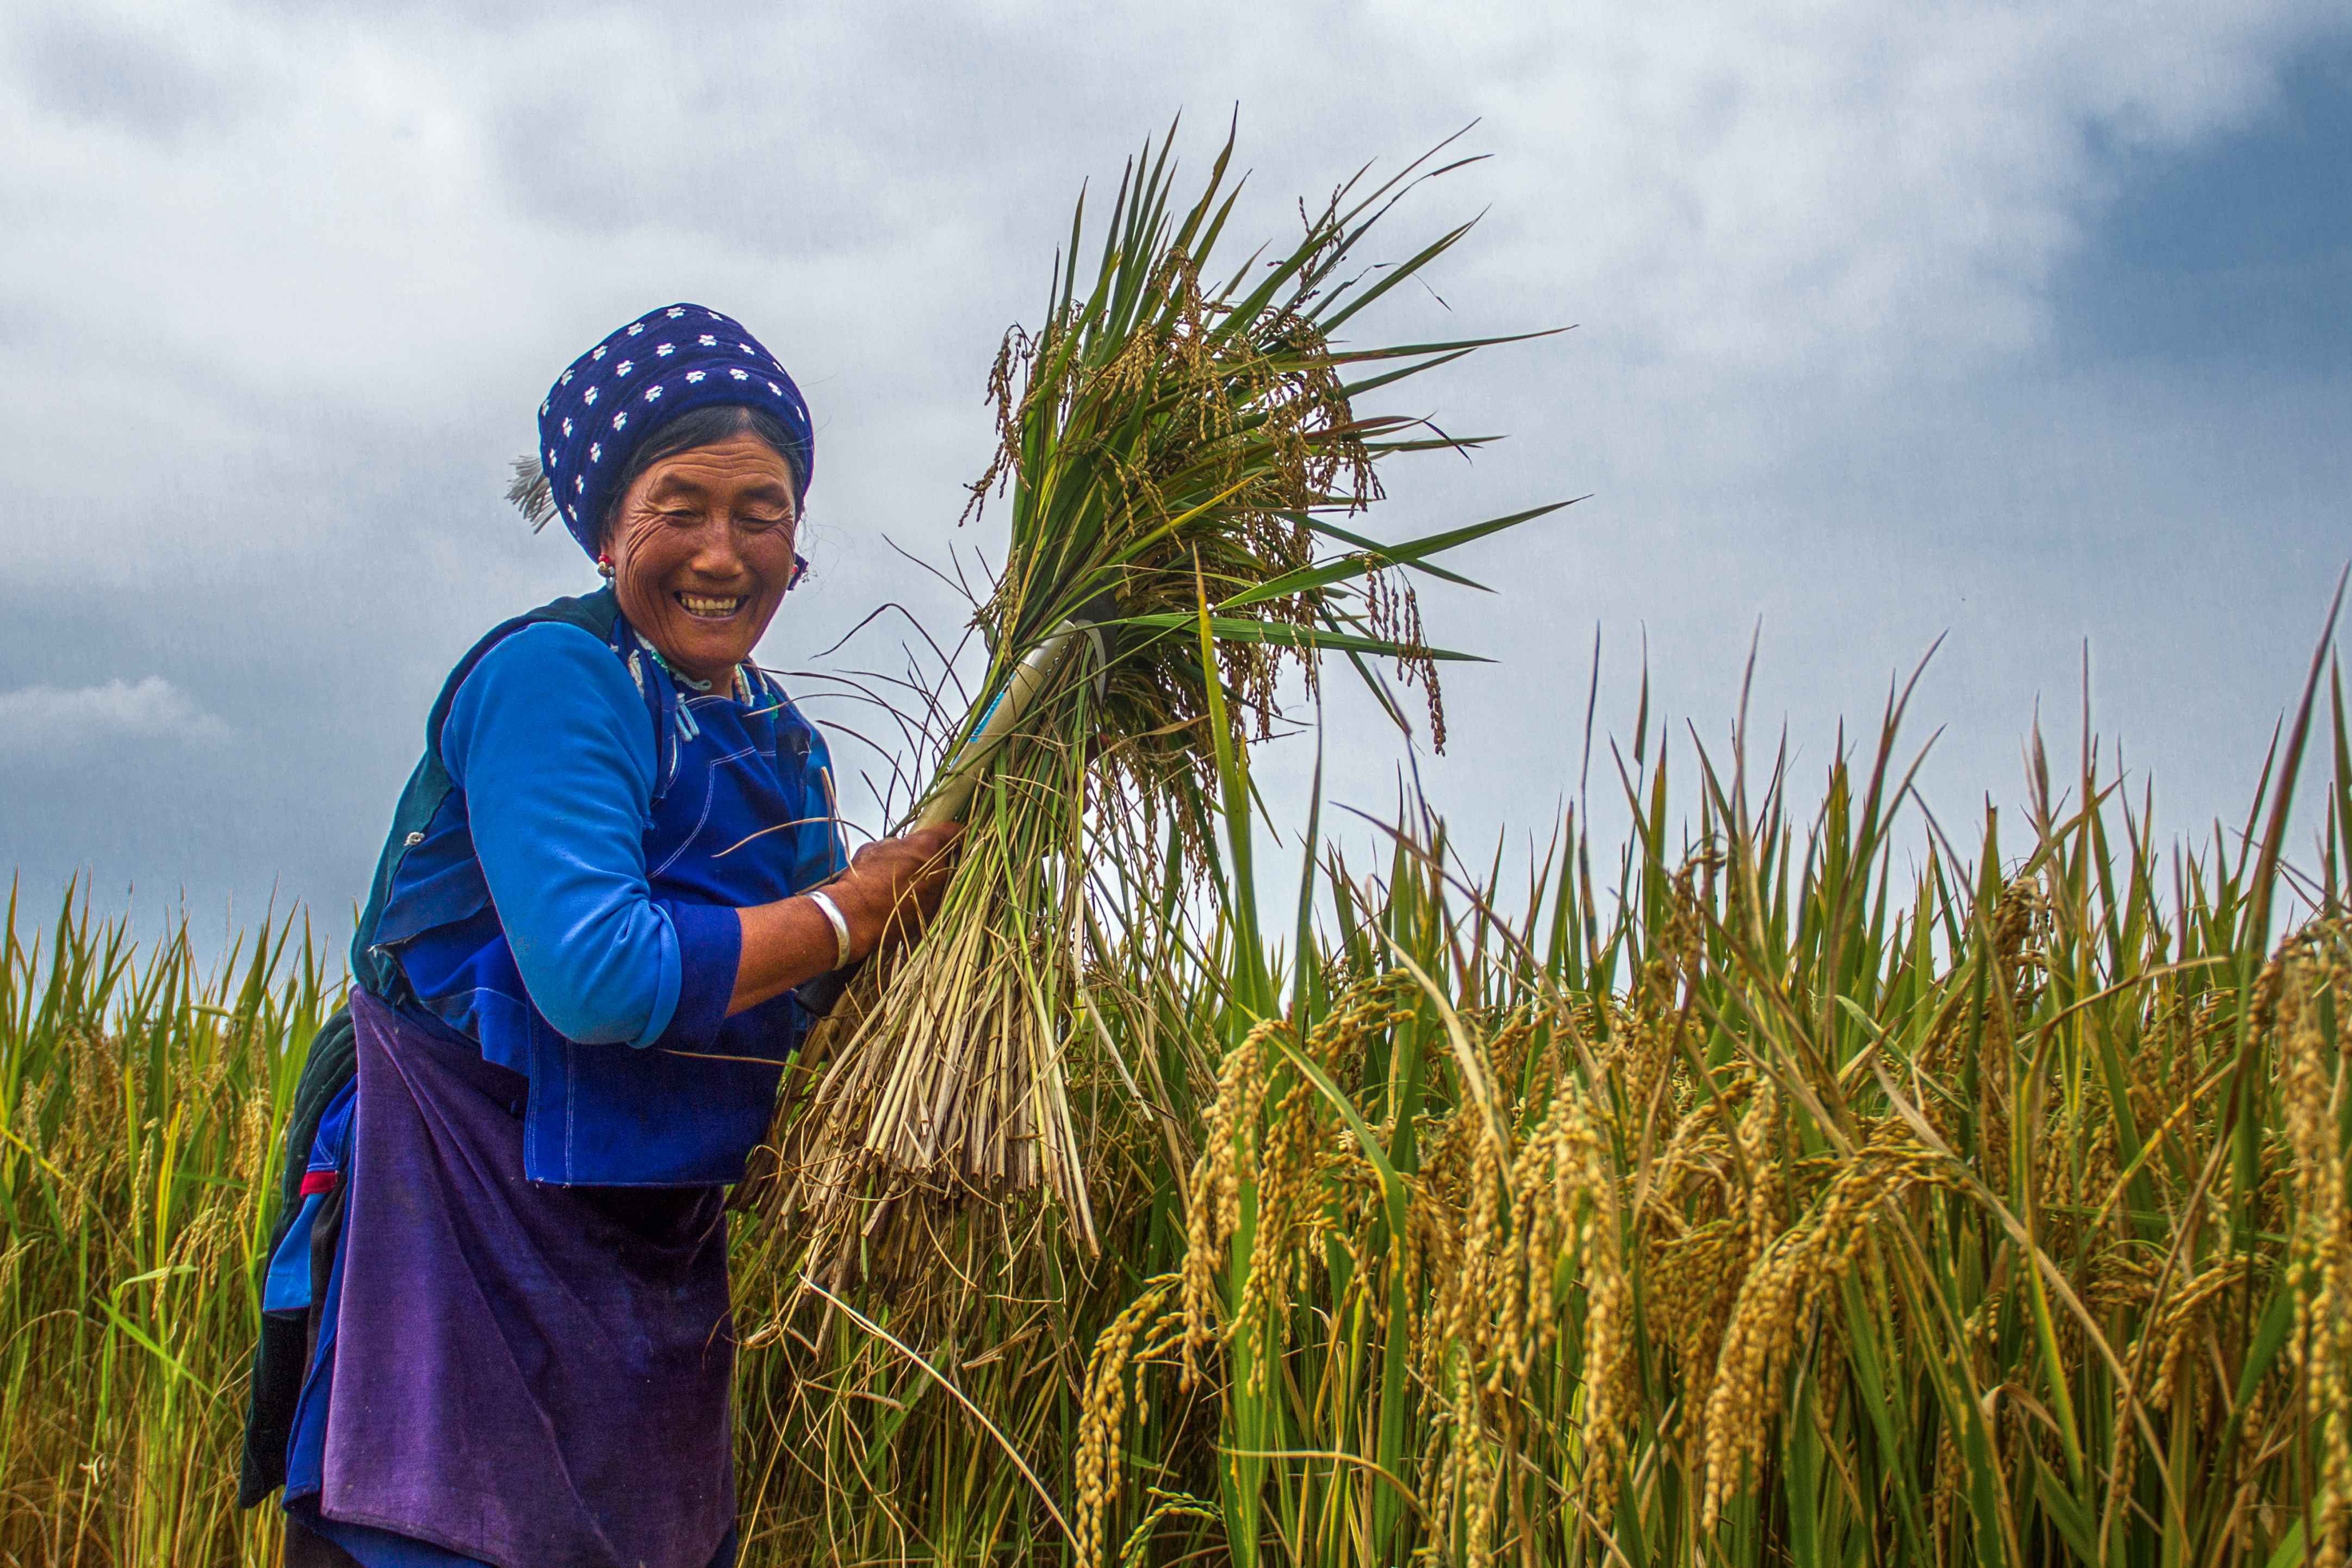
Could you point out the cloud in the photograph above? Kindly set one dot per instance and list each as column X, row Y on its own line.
column 281, row 285
column 409, row 218
column 61, row 724
column 101, row 72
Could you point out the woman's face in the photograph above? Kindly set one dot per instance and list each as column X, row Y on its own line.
column 702, row 551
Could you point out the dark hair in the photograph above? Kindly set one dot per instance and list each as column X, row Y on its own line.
column 705, row 427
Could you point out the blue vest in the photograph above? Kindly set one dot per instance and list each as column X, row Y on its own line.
column 430, row 943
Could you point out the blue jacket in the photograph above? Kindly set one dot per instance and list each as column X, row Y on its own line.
column 561, row 882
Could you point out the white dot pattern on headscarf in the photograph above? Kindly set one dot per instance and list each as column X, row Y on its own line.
column 572, row 446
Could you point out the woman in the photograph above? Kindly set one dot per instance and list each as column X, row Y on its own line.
column 611, row 902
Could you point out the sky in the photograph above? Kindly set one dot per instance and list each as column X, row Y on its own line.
column 2021, row 333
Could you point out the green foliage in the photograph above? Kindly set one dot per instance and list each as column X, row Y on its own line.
column 1774, row 1211
column 142, row 1104
column 1778, row 1210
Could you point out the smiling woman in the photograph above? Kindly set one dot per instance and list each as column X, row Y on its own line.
column 496, row 1320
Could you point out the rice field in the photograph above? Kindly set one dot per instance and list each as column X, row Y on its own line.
column 1750, row 1192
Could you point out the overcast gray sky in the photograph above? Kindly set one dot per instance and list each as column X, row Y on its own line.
column 2014, row 325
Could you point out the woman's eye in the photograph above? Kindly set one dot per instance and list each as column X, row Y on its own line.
column 754, row 520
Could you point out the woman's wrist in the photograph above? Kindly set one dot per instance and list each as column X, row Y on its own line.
column 864, row 915
column 785, row 944
column 844, row 943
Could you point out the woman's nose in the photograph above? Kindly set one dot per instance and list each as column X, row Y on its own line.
column 715, row 549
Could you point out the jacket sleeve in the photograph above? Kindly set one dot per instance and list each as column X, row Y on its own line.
column 548, row 738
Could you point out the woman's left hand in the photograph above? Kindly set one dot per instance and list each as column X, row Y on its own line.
column 887, row 896
column 893, row 887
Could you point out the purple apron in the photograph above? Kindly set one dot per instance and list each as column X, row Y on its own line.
column 524, row 1373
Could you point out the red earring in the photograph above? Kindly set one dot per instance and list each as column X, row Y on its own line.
column 604, row 565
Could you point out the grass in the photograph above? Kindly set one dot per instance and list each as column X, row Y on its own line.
column 1750, row 1193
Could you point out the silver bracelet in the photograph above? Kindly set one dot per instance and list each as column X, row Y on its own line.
column 840, row 924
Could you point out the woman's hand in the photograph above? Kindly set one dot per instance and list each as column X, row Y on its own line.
column 887, row 896
column 893, row 887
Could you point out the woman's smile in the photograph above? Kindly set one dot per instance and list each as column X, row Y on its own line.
column 712, row 607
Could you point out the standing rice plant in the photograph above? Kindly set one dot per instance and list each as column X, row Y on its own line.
column 1735, row 1197
column 141, row 1102
column 1771, row 1211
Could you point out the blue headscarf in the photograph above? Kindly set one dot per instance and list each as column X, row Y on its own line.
column 664, row 363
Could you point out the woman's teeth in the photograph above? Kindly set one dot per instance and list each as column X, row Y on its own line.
column 709, row 607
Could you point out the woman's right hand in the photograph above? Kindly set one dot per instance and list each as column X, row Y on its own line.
column 893, row 887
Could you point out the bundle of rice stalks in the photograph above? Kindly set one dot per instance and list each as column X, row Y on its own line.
column 1181, row 454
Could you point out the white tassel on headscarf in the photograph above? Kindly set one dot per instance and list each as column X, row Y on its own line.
column 532, row 493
